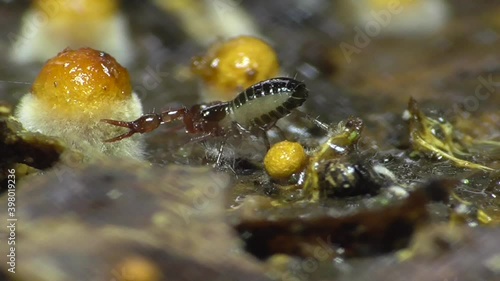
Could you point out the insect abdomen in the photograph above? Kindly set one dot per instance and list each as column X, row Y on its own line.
column 266, row 102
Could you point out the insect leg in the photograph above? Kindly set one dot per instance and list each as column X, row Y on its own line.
column 240, row 129
column 265, row 138
column 279, row 131
column 199, row 138
column 219, row 154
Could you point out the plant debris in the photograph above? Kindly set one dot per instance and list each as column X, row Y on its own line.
column 20, row 146
column 438, row 138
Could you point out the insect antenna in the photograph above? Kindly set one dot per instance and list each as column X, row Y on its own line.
column 15, row 82
column 315, row 121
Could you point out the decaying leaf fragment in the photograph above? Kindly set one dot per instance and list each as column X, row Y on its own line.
column 20, row 146
column 438, row 138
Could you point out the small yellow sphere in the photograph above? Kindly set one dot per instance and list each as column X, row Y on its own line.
column 234, row 65
column 284, row 159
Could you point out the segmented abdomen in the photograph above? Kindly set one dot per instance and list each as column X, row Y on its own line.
column 265, row 102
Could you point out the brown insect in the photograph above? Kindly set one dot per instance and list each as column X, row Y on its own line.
column 254, row 111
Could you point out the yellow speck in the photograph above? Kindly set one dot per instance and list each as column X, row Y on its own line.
column 5, row 110
column 489, row 216
column 284, row 159
column 138, row 269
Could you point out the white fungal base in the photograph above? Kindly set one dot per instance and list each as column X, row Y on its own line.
column 83, row 134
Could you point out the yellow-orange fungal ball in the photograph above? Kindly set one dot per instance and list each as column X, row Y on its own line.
column 236, row 64
column 82, row 82
column 72, row 93
column 284, row 159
